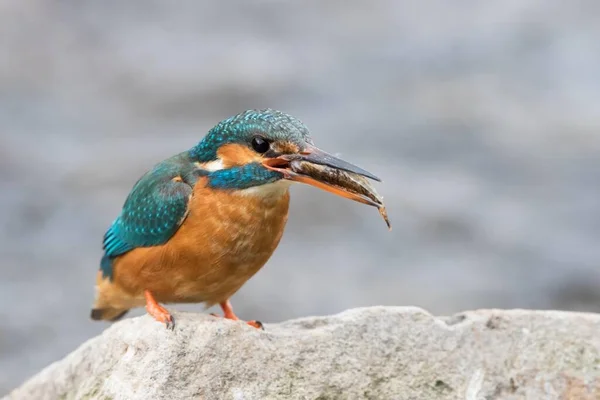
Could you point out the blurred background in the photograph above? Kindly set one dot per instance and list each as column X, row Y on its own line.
column 482, row 118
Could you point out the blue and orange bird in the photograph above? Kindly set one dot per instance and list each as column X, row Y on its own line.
column 198, row 225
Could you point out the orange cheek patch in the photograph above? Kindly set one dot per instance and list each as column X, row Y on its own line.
column 236, row 154
column 285, row 147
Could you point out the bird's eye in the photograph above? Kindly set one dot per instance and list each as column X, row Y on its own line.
column 260, row 145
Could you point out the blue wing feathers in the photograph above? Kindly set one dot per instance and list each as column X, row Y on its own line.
column 113, row 246
column 152, row 213
column 106, row 267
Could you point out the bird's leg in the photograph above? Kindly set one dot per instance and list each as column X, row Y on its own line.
column 157, row 311
column 229, row 314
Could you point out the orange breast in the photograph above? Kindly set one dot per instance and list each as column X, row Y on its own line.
column 226, row 238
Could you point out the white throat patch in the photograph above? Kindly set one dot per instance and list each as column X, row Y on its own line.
column 275, row 189
column 268, row 190
column 212, row 166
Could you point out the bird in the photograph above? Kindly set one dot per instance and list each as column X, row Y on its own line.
column 198, row 225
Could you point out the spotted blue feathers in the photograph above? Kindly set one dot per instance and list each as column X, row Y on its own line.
column 242, row 127
column 152, row 213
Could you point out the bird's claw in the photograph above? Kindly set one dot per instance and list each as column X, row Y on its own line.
column 158, row 312
column 256, row 324
column 170, row 322
column 166, row 319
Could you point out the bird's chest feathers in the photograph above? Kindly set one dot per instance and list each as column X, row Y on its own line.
column 233, row 229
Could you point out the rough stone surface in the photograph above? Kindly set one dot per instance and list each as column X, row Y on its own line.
column 368, row 353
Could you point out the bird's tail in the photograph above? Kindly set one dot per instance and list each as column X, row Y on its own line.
column 108, row 314
column 111, row 303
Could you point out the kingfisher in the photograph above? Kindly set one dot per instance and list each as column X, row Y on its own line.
column 198, row 225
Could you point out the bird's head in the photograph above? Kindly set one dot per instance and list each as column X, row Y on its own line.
column 254, row 150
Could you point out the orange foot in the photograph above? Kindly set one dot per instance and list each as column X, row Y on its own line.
column 228, row 314
column 157, row 311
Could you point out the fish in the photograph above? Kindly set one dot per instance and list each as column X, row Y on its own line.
column 359, row 188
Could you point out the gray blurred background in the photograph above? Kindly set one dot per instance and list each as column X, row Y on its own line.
column 481, row 117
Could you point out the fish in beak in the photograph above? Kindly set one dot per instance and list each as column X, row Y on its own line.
column 317, row 168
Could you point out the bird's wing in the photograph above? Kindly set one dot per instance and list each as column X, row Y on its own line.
column 152, row 213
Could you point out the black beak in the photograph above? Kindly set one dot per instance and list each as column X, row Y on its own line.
column 317, row 156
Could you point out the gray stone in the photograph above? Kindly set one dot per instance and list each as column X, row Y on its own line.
column 368, row 353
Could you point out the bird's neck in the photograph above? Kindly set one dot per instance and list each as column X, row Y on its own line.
column 234, row 168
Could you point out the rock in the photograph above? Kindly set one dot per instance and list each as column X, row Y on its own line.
column 367, row 353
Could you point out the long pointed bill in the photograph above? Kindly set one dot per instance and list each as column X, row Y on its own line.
column 324, row 171
column 317, row 156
